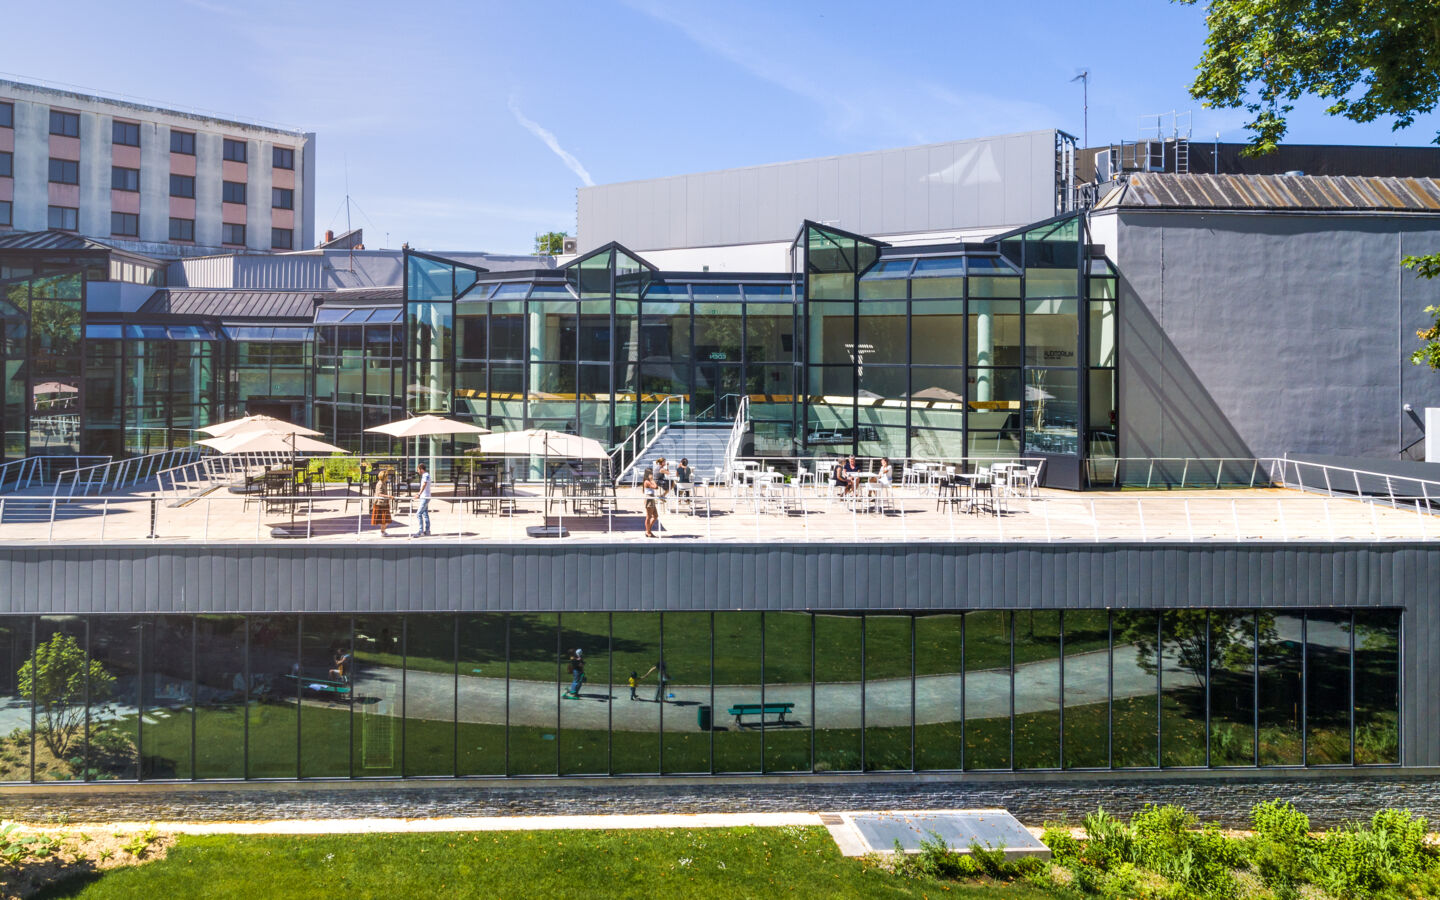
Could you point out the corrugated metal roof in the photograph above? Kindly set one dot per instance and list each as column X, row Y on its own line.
column 1330, row 193
column 363, row 296
column 49, row 240
column 232, row 304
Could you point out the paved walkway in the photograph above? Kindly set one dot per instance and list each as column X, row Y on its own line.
column 467, row 823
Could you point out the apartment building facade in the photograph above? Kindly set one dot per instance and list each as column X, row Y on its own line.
column 162, row 182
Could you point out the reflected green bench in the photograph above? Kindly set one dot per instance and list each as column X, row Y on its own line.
column 322, row 687
column 779, row 710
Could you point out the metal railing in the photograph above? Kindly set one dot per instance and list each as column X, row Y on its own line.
column 737, row 434
column 34, row 471
column 1340, row 481
column 769, row 513
column 114, row 474
column 209, row 472
column 670, row 409
column 1178, row 472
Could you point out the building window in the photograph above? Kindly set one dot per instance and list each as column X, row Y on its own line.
column 127, row 133
column 282, row 198
column 233, row 234
column 282, row 238
column 284, row 158
column 182, row 142
column 125, row 224
column 182, row 229
column 7, row 164
column 7, row 115
column 122, row 179
column 182, row 186
column 65, row 218
column 234, row 192
column 64, row 124
column 64, row 171
column 5, row 212
column 234, row 150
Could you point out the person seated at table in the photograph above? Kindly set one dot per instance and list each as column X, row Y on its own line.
column 684, row 477
column 886, row 477
column 662, row 476
column 852, row 473
column 842, row 478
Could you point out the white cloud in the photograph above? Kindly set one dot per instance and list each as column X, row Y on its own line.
column 548, row 137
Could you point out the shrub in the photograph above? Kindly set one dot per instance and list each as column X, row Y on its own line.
column 1282, row 847
column 1064, row 846
column 1109, row 840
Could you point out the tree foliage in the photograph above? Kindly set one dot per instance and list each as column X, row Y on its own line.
column 1429, row 353
column 1186, row 644
column 551, row 243
column 54, row 679
column 1371, row 59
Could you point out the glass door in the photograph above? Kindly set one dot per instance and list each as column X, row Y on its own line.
column 718, row 389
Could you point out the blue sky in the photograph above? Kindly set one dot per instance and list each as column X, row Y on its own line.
column 468, row 125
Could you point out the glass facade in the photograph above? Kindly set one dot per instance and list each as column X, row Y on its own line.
column 112, row 697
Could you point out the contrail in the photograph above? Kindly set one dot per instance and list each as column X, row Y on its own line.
column 545, row 135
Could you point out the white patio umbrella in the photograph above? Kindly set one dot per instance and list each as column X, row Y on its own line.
column 422, row 426
column 540, row 442
column 255, row 423
column 269, row 442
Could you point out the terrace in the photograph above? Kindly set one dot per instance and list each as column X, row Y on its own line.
column 1273, row 500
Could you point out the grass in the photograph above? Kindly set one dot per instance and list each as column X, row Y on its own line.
column 736, row 862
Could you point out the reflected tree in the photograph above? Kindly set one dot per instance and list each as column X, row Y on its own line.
column 1186, row 640
column 54, row 679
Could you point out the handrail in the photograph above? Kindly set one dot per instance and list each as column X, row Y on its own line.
column 643, row 435
column 117, row 472
column 32, row 469
column 1429, row 489
column 737, row 435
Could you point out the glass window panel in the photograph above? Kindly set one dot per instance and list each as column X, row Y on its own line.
column 1135, row 699
column 60, row 739
column 1051, row 407
column 883, row 334
column 431, row 326
column 1037, row 689
column 770, row 332
column 471, row 331
column 1104, row 406
column 114, row 682
column 1050, row 282
column 994, row 328
column 507, row 331
column 635, row 736
column 1185, row 659
column 994, row 402
column 273, row 706
column 719, row 293
column 595, row 341
column 878, row 441
column 788, row 655
column 682, row 683
column 838, row 706
column 326, row 680
column 1281, row 694
column 832, row 333
column 994, row 287
column 594, row 274
column 665, row 333
column 938, row 398
column 534, row 693
column 518, row 291
column 430, row 694
column 738, row 746
column 768, row 293
column 987, row 690
column 481, row 694
column 168, row 692
column 15, row 693
column 888, row 693
column 886, row 281
column 1087, row 689
column 1102, row 334
column 220, row 697
column 1377, row 687
column 585, row 701
column 939, row 724
column 1232, row 688
column 1102, row 289
column 717, row 332
column 938, row 278
column 1050, row 332
column 1327, row 689
column 426, row 279
column 937, row 332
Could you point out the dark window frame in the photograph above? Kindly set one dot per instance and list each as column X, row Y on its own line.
column 64, row 171
column 234, row 151
column 174, row 220
column 7, row 115
column 114, row 218
column 185, row 139
column 63, row 209
column 115, row 175
column 276, row 196
column 282, row 158
column 64, row 120
column 7, row 164
column 7, row 213
column 227, row 188
column 225, row 233
column 191, row 184
column 289, row 243
column 120, row 132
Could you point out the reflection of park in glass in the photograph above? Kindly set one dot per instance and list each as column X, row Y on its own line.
column 837, row 681
column 888, row 696
column 430, row 695
column 1281, row 693
column 1327, row 688
column 1232, row 685
column 938, row 640
column 1133, row 667
column 480, row 701
column 685, row 647
column 787, row 680
column 533, row 705
column 585, row 715
column 1087, row 689
column 1377, row 687
column 988, row 652
column 1037, row 689
column 738, row 744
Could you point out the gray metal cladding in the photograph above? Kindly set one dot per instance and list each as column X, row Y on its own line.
column 318, row 578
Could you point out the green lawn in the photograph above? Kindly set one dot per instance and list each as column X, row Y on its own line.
column 738, row 862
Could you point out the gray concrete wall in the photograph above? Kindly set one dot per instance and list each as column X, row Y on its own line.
column 993, row 181
column 1265, row 334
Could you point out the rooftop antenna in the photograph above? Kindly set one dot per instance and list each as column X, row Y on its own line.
column 351, row 240
column 1084, row 79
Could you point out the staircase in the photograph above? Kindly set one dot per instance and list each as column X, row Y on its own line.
column 703, row 443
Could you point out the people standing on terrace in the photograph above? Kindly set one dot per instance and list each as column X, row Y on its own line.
column 652, row 515
column 380, row 505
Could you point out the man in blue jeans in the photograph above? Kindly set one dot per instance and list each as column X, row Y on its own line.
column 422, row 512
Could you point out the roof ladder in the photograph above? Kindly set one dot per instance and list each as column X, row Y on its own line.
column 1182, row 155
